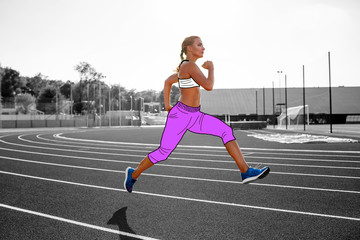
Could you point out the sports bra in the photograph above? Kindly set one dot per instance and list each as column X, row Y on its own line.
column 188, row 82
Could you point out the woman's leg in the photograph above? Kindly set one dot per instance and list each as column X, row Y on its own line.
column 232, row 147
column 208, row 124
column 176, row 126
column 143, row 165
column 234, row 150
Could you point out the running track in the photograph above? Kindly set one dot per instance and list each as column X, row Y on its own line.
column 68, row 184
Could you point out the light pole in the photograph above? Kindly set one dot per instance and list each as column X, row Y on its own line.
column 100, row 102
column 100, row 77
column 109, row 107
column 71, row 101
column 87, row 104
column 273, row 93
column 131, row 111
column 330, row 97
column 256, row 103
column 303, row 70
column 94, row 108
column 264, row 101
column 119, row 107
column 286, row 107
column 1, row 77
column 279, row 72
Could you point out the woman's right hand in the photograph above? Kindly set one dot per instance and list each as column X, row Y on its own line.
column 208, row 65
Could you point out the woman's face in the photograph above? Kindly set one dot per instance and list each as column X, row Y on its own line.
column 197, row 49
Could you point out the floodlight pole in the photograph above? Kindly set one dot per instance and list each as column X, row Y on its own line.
column 256, row 102
column 304, row 96
column 330, row 98
column 87, row 104
column 1, row 77
column 286, row 107
column 273, row 92
column 109, row 107
column 119, row 106
column 100, row 103
column 279, row 72
column 264, row 101
column 131, row 109
column 71, row 100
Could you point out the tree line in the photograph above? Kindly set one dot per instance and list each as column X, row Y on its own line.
column 91, row 94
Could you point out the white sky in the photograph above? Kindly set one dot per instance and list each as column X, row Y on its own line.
column 136, row 43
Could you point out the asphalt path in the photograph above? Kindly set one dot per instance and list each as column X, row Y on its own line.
column 68, row 184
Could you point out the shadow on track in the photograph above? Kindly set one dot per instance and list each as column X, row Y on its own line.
column 119, row 219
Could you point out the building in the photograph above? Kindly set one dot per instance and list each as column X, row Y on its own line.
column 261, row 104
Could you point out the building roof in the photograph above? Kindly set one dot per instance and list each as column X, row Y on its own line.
column 345, row 100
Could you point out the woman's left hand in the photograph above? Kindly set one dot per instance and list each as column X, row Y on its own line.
column 168, row 108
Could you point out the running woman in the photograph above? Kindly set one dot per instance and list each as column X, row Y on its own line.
column 186, row 116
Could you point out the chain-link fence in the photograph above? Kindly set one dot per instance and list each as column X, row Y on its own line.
column 62, row 113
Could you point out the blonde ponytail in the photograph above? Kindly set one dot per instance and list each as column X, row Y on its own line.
column 182, row 54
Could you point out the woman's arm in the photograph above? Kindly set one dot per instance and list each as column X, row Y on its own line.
column 167, row 89
column 194, row 71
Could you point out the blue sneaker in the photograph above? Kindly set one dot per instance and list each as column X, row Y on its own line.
column 129, row 181
column 253, row 174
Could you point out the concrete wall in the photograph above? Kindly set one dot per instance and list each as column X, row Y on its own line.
column 248, row 125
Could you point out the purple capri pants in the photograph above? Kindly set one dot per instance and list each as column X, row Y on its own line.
column 182, row 118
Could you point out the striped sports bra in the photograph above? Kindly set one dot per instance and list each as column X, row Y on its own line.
column 188, row 82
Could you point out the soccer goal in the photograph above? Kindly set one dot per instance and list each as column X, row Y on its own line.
column 295, row 116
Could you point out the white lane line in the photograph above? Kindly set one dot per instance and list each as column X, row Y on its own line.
column 109, row 230
column 117, row 147
column 120, row 149
column 201, row 150
column 194, row 154
column 59, row 135
column 183, row 159
column 272, row 154
column 169, row 165
column 324, row 131
column 189, row 199
column 180, row 177
column 305, row 159
column 5, row 136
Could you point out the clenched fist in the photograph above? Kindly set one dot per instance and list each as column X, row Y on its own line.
column 208, row 65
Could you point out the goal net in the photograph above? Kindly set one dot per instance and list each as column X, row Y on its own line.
column 295, row 116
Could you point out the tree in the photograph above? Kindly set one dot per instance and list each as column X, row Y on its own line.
column 36, row 83
column 174, row 95
column 10, row 84
column 118, row 104
column 24, row 103
column 149, row 95
column 78, row 105
column 65, row 89
column 47, row 100
column 85, row 70
column 88, row 75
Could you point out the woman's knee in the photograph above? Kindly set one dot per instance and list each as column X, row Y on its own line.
column 227, row 134
column 160, row 154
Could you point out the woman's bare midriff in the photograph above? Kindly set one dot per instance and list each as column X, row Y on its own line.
column 190, row 96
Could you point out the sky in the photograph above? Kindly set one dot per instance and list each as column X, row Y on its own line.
column 137, row 43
